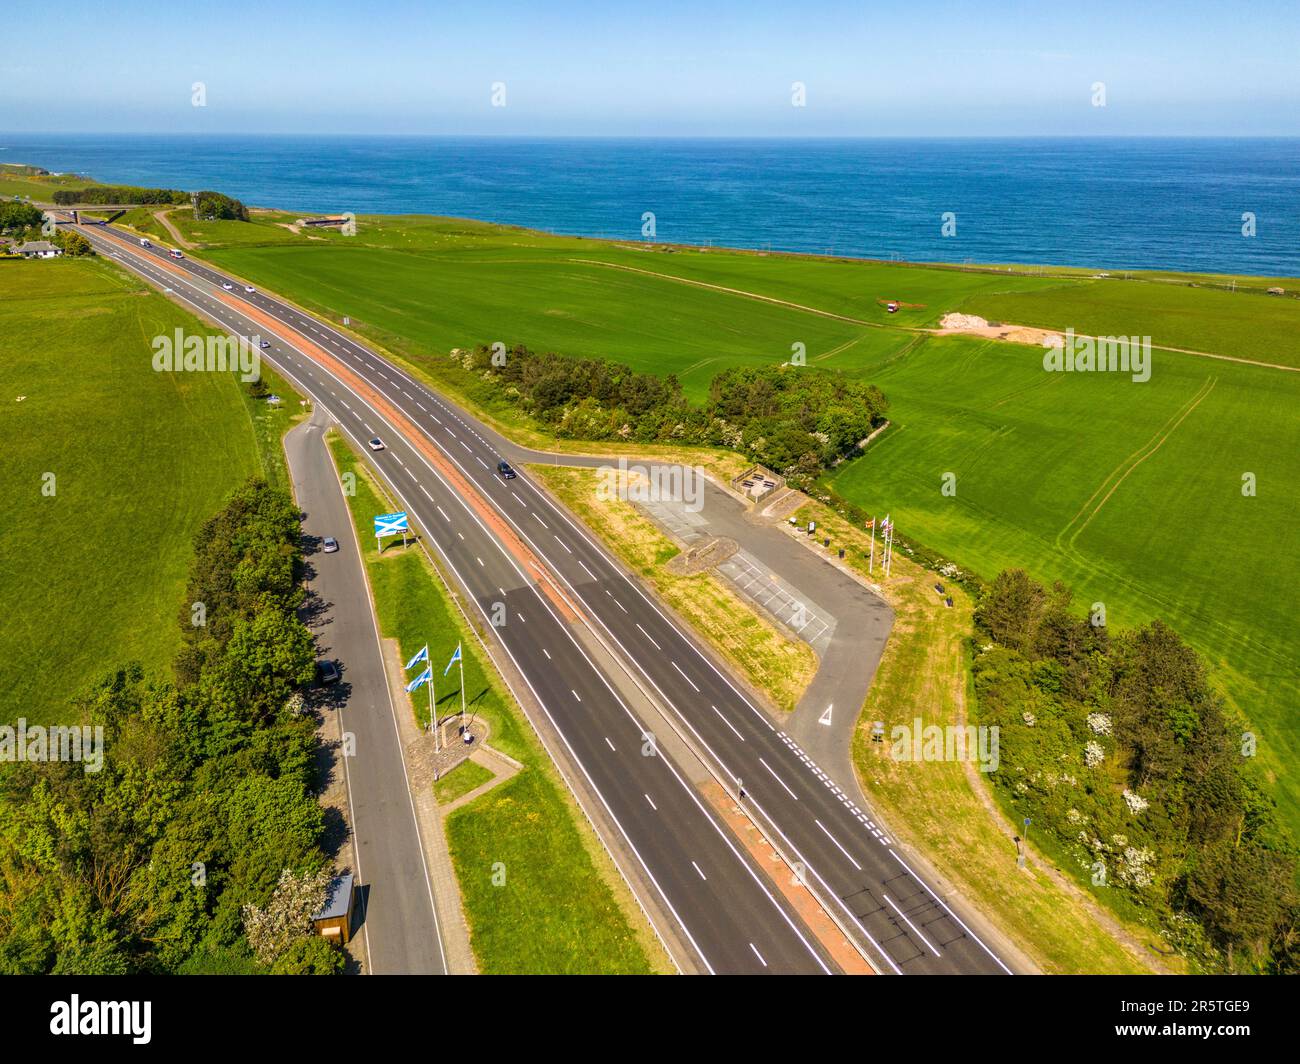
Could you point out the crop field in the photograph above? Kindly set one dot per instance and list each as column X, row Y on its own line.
column 1130, row 492
column 139, row 460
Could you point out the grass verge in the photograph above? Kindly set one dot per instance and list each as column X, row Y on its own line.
column 460, row 781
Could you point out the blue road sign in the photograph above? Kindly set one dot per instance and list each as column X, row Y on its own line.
column 391, row 524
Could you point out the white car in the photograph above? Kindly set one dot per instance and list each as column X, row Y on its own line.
column 228, row 286
column 376, row 444
column 249, row 289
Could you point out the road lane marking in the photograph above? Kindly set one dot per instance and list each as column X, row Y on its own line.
column 679, row 671
column 727, row 723
column 778, row 779
column 911, row 925
column 837, row 844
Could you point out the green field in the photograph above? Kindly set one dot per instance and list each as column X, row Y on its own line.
column 562, row 907
column 1129, row 492
column 92, row 576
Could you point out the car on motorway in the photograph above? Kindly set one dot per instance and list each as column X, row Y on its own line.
column 228, row 286
column 176, row 254
column 506, row 473
column 329, row 545
column 264, row 344
column 327, row 672
column 249, row 289
column 376, row 444
column 145, row 243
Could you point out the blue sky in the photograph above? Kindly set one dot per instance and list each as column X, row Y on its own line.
column 656, row 68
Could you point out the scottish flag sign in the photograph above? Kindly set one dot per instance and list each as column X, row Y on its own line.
column 391, row 524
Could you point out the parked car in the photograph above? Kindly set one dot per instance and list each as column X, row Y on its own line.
column 376, row 444
column 329, row 545
column 506, row 472
column 327, row 672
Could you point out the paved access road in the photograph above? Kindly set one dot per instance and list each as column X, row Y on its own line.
column 400, row 922
column 726, row 909
column 854, row 867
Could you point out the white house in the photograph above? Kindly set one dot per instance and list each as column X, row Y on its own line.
column 39, row 249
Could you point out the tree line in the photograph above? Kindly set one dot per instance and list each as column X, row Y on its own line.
column 794, row 419
column 1115, row 745
column 120, row 194
column 203, row 819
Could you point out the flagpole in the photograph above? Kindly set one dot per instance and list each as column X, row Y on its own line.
column 433, row 710
column 871, row 565
column 461, row 654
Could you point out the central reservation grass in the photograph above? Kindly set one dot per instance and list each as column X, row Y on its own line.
column 562, row 907
column 92, row 575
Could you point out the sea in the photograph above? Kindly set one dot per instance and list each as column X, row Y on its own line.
column 1209, row 205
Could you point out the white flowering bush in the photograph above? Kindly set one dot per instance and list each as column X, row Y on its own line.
column 1136, row 867
column 1093, row 754
column 1029, row 719
column 1135, row 802
column 1099, row 723
column 289, row 914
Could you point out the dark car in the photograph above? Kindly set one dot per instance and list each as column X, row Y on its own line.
column 327, row 672
column 329, row 545
column 506, row 472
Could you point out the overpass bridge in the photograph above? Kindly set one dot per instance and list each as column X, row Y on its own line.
column 73, row 210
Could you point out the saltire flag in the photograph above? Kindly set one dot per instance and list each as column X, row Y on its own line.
column 421, row 680
column 454, row 658
column 423, row 655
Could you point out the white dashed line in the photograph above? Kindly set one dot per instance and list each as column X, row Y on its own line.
column 837, row 844
column 778, row 779
column 686, row 678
